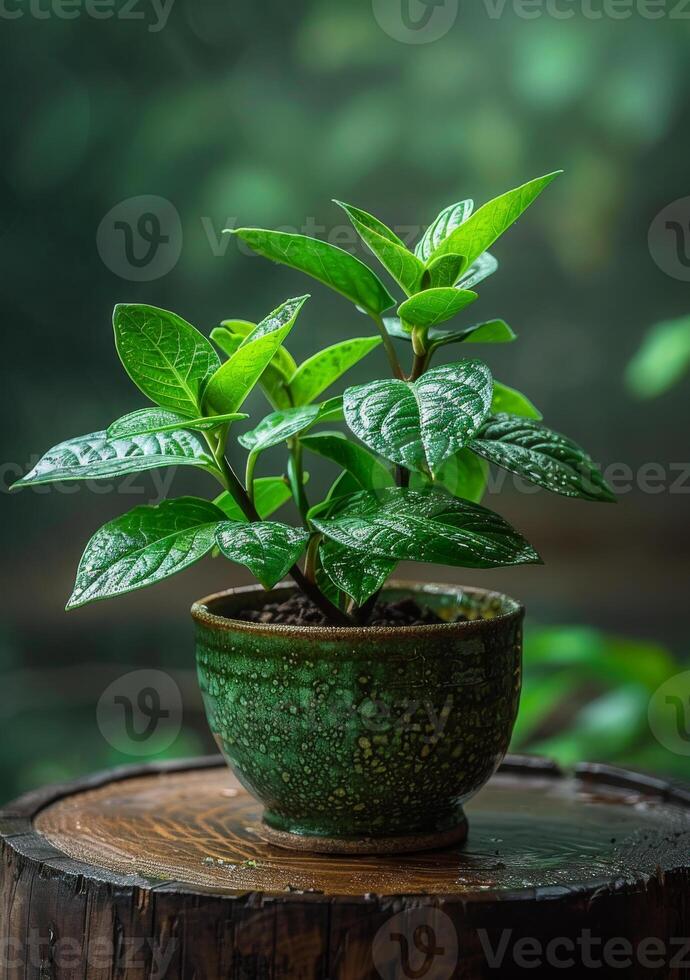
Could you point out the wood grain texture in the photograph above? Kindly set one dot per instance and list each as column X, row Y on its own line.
column 160, row 871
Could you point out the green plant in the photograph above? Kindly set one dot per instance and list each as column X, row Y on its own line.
column 409, row 488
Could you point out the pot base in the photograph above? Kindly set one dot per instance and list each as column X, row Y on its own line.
column 399, row 844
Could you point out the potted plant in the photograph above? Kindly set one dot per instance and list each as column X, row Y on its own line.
column 362, row 712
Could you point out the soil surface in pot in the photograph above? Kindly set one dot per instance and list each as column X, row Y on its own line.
column 299, row 610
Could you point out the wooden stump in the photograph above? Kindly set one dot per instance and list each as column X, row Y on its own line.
column 160, row 872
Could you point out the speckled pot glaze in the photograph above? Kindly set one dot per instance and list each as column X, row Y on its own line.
column 362, row 739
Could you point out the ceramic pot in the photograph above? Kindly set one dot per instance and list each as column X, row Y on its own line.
column 362, row 740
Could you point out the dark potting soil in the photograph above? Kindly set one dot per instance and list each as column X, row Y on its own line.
column 299, row 610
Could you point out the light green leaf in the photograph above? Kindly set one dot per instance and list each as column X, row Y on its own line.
column 369, row 472
column 513, row 402
column 443, row 271
column 279, row 426
column 481, row 269
column 166, row 357
column 356, row 573
column 418, row 425
column 267, row 548
column 480, row 231
column 541, row 456
column 441, row 227
column 94, row 456
column 144, row 546
column 464, row 475
column 319, row 372
column 434, row 306
column 233, row 381
column 270, row 493
column 404, row 524
column 662, row 360
column 330, row 265
column 394, row 256
column 148, row 420
column 275, row 378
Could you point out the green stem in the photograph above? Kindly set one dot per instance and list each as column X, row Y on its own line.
column 312, row 557
column 389, row 348
column 249, row 475
column 296, row 476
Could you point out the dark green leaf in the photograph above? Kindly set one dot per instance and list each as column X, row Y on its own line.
column 491, row 332
column 367, row 469
column 330, row 265
column 513, row 402
column 420, row 424
column 148, row 420
column 541, row 456
column 166, row 357
column 441, row 227
column 267, row 548
column 233, row 381
column 94, row 456
column 434, row 306
column 480, row 231
column 356, row 573
column 319, row 372
column 144, row 546
column 394, row 256
column 404, row 524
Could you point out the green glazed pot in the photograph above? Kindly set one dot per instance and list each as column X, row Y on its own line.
column 362, row 740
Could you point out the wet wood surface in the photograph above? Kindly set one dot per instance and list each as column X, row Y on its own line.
column 162, row 872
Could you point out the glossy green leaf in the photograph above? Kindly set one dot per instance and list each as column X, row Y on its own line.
column 443, row 271
column 342, row 486
column 274, row 380
column 148, row 420
column 418, row 425
column 404, row 524
column 144, row 546
column 513, row 402
column 441, row 227
column 327, row 263
column 394, row 256
column 541, row 456
column 480, row 231
column 489, row 332
column 94, row 456
column 319, row 372
column 369, row 472
column 270, row 493
column 481, row 269
column 267, row 548
column 464, row 475
column 233, row 381
column 279, row 426
column 166, row 357
column 356, row 573
column 434, row 306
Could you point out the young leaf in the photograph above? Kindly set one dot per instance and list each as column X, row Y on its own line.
column 367, row 469
column 274, row 380
column 443, row 271
column 233, row 381
column 513, row 402
column 268, row 549
column 480, row 231
column 270, row 493
column 166, row 357
column 394, row 256
column 279, row 426
column 541, row 456
column 404, row 524
column 447, row 221
column 464, row 475
column 418, row 425
column 330, row 265
column 148, row 420
column 490, row 332
column 144, row 546
column 319, row 372
column 481, row 269
column 356, row 573
column 94, row 456
column 434, row 306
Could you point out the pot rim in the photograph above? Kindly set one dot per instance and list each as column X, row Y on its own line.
column 204, row 617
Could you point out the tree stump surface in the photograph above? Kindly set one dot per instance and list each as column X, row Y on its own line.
column 160, row 871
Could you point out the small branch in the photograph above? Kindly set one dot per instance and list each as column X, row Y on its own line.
column 389, row 348
column 249, row 475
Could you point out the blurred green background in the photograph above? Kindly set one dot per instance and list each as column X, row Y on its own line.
column 258, row 114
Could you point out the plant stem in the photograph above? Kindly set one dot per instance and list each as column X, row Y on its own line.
column 312, row 558
column 249, row 475
column 389, row 348
column 296, row 478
